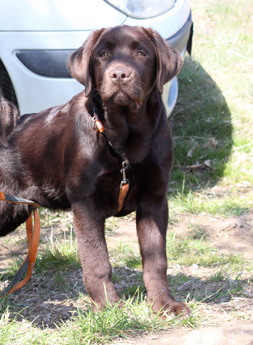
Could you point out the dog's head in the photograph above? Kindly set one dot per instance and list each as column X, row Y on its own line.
column 123, row 64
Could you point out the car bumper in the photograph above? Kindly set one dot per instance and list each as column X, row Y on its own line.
column 44, row 74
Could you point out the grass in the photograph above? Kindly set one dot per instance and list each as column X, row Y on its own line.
column 224, row 283
column 225, row 279
column 212, row 177
column 212, row 204
column 114, row 322
column 213, row 121
column 111, row 324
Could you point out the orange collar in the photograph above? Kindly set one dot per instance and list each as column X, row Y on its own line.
column 124, row 184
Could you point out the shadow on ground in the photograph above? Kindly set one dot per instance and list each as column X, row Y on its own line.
column 48, row 301
column 202, row 130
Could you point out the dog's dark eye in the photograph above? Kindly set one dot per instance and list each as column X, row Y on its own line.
column 103, row 54
column 140, row 53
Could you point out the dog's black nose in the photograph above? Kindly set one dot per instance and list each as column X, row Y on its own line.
column 120, row 74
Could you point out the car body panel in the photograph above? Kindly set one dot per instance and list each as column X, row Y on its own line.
column 56, row 27
column 57, row 15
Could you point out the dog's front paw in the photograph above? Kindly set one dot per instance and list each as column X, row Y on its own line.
column 104, row 303
column 179, row 309
column 171, row 306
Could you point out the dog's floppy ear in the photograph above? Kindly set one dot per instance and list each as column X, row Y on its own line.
column 79, row 64
column 8, row 119
column 168, row 61
column 3, row 137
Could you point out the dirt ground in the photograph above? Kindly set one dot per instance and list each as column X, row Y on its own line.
column 229, row 235
column 229, row 333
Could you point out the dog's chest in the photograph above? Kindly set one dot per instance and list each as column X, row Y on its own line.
column 107, row 190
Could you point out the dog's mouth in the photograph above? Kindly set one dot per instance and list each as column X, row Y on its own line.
column 122, row 99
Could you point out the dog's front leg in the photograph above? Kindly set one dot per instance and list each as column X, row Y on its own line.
column 151, row 229
column 97, row 271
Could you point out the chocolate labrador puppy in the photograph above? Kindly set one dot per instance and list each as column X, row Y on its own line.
column 80, row 156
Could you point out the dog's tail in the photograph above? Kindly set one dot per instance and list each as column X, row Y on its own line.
column 8, row 119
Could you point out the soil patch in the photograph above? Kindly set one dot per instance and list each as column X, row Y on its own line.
column 47, row 306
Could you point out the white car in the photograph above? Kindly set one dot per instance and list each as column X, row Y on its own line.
column 37, row 36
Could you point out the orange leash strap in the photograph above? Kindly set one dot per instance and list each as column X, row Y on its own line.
column 124, row 185
column 122, row 195
column 33, row 236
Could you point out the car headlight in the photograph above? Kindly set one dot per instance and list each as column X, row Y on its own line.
column 141, row 9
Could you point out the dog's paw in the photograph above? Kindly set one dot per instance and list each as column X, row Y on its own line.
column 97, row 307
column 180, row 309
column 172, row 307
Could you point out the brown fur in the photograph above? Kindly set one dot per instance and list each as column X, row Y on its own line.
column 57, row 159
column 8, row 120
